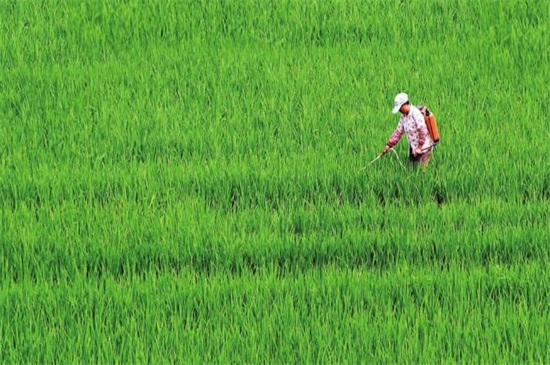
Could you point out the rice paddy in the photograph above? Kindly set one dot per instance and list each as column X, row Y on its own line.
column 185, row 182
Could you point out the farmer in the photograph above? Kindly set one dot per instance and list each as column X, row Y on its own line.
column 413, row 124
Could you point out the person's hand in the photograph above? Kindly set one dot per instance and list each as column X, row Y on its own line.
column 386, row 149
column 417, row 151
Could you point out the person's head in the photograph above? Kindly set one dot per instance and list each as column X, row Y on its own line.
column 401, row 104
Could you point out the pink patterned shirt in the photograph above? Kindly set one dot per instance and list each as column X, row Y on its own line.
column 414, row 126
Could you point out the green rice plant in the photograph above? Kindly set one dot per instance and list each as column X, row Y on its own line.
column 186, row 182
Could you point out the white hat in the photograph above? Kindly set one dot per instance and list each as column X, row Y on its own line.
column 400, row 99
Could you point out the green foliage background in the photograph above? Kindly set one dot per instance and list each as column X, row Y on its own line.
column 181, row 181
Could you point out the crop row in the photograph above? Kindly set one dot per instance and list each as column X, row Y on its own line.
column 327, row 315
column 125, row 238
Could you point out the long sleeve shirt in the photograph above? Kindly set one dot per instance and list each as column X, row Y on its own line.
column 414, row 126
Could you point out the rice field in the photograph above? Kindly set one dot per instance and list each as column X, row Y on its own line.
column 185, row 182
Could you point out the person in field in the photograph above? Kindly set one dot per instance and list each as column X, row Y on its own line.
column 411, row 123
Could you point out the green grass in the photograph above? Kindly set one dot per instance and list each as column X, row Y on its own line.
column 182, row 182
column 330, row 315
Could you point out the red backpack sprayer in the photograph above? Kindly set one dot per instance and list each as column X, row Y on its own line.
column 429, row 118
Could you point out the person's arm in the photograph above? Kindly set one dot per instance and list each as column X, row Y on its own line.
column 422, row 133
column 395, row 137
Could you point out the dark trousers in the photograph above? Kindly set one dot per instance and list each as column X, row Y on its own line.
column 421, row 159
